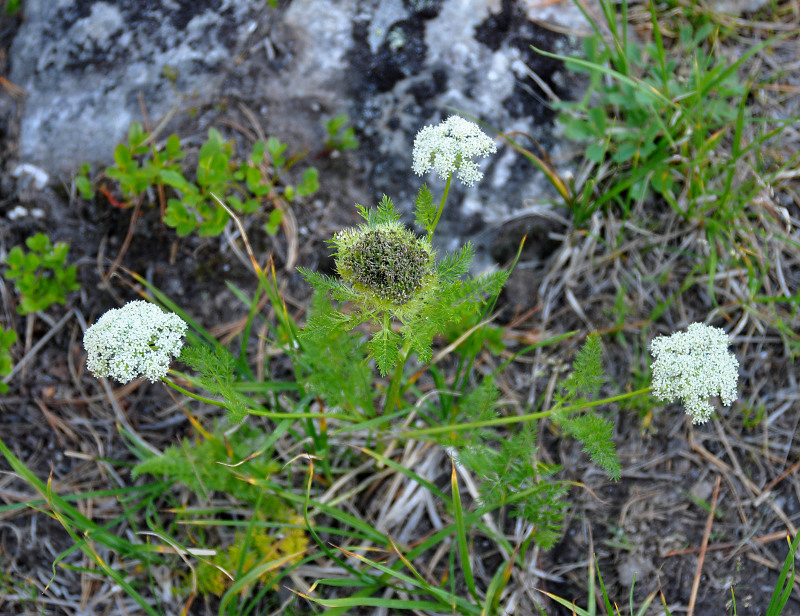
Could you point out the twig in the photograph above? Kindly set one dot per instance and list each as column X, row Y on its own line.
column 703, row 547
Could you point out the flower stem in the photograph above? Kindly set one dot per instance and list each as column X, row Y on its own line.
column 393, row 395
column 441, row 206
column 253, row 411
column 500, row 421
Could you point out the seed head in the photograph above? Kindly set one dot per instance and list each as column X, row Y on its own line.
column 692, row 366
column 138, row 339
column 449, row 148
column 387, row 262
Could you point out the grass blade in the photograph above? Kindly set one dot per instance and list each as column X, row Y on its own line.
column 461, row 535
column 785, row 583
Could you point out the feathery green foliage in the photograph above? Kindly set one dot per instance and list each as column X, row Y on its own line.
column 425, row 210
column 386, row 274
column 216, row 370
column 587, row 370
column 593, row 431
column 512, row 468
column 214, row 464
column 595, row 434
column 334, row 359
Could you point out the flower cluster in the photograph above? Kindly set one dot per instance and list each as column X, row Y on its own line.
column 693, row 365
column 138, row 339
column 449, row 148
column 386, row 262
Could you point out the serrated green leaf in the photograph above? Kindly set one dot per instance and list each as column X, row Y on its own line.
column 456, row 265
column 595, row 433
column 425, row 211
column 338, row 289
column 384, row 349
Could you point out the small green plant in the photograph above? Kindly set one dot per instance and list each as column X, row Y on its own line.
column 12, row 7
column 135, row 170
column 247, row 185
column 7, row 339
column 83, row 183
column 41, row 275
column 340, row 136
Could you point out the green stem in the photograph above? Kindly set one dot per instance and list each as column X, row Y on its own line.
column 393, row 395
column 500, row 421
column 252, row 411
column 441, row 206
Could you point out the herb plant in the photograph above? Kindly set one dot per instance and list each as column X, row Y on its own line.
column 41, row 276
column 340, row 136
column 246, row 185
column 83, row 183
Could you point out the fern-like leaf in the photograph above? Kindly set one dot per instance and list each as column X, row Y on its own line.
column 382, row 214
column 384, row 349
column 587, row 370
column 425, row 210
column 334, row 360
column 545, row 509
column 339, row 290
column 512, row 469
column 455, row 265
column 216, row 376
column 473, row 290
column 420, row 339
column 594, row 433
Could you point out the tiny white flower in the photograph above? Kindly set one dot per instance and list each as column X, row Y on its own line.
column 692, row 366
column 138, row 339
column 449, row 147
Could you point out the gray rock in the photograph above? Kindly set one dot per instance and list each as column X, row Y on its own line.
column 83, row 65
column 393, row 65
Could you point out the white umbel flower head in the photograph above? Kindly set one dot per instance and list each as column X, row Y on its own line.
column 692, row 366
column 449, row 147
column 138, row 339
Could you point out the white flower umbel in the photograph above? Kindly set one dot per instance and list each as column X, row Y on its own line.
column 138, row 339
column 692, row 366
column 449, row 147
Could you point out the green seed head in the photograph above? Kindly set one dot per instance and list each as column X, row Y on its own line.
column 386, row 261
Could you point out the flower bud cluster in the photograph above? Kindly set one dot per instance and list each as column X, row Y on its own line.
column 138, row 339
column 386, row 261
column 449, row 147
column 692, row 366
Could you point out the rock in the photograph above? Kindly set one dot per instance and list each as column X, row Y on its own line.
column 393, row 65
column 83, row 65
